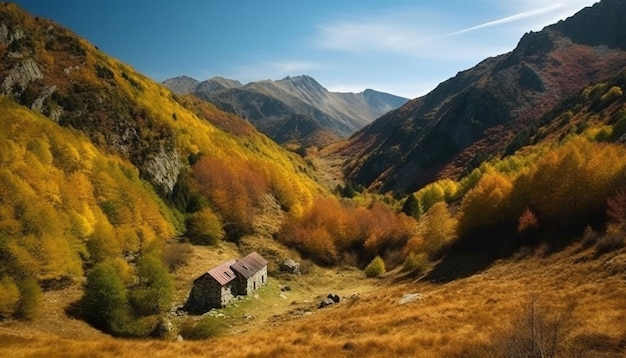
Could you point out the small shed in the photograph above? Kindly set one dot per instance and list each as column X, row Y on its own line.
column 251, row 272
column 213, row 289
column 218, row 286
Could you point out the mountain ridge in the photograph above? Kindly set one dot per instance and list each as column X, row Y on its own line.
column 294, row 109
column 475, row 113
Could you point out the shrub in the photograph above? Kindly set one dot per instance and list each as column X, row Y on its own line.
column 616, row 208
column 176, row 254
column 416, row 263
column 206, row 327
column 537, row 332
column 608, row 243
column 375, row 268
column 155, row 291
column 590, row 237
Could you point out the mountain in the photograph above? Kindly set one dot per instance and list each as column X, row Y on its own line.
column 294, row 109
column 182, row 84
column 473, row 116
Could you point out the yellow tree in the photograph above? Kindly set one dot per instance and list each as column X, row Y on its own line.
column 438, row 229
column 485, row 204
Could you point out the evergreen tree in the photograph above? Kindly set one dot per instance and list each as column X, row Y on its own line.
column 412, row 207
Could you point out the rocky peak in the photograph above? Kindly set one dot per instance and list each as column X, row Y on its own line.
column 601, row 24
column 216, row 84
column 182, row 84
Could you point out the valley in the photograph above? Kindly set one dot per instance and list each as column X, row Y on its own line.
column 573, row 291
column 486, row 218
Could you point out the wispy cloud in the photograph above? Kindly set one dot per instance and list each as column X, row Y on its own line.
column 431, row 34
column 508, row 19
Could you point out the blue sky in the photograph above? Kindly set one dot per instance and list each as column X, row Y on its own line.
column 401, row 47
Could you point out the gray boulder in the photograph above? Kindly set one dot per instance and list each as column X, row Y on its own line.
column 326, row 302
column 290, row 266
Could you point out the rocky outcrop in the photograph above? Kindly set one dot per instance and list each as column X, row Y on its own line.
column 163, row 169
column 20, row 76
column 45, row 93
column 8, row 36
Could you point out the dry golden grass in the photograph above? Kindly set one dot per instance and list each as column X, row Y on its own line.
column 462, row 318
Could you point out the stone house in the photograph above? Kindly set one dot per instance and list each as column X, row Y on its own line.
column 221, row 284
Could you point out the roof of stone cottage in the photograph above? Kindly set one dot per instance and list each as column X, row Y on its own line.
column 223, row 273
column 249, row 265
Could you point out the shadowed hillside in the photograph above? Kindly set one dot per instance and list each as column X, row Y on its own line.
column 472, row 116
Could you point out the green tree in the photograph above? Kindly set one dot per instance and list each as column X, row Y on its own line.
column 105, row 303
column 155, row 291
column 431, row 194
column 9, row 296
column 30, row 298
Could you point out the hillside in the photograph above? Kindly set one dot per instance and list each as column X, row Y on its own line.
column 101, row 166
column 294, row 109
column 473, row 116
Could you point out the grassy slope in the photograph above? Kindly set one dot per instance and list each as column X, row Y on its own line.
column 461, row 318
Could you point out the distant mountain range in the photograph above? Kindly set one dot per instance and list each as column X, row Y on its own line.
column 479, row 112
column 294, row 109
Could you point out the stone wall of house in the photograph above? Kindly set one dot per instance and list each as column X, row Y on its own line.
column 245, row 287
column 207, row 294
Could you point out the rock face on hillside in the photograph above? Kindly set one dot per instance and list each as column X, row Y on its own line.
column 294, row 109
column 52, row 71
column 475, row 114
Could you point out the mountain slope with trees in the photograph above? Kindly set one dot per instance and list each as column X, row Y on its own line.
column 472, row 116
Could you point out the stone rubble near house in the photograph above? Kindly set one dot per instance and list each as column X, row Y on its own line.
column 331, row 299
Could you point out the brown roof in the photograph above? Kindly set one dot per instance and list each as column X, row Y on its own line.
column 223, row 274
column 249, row 265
